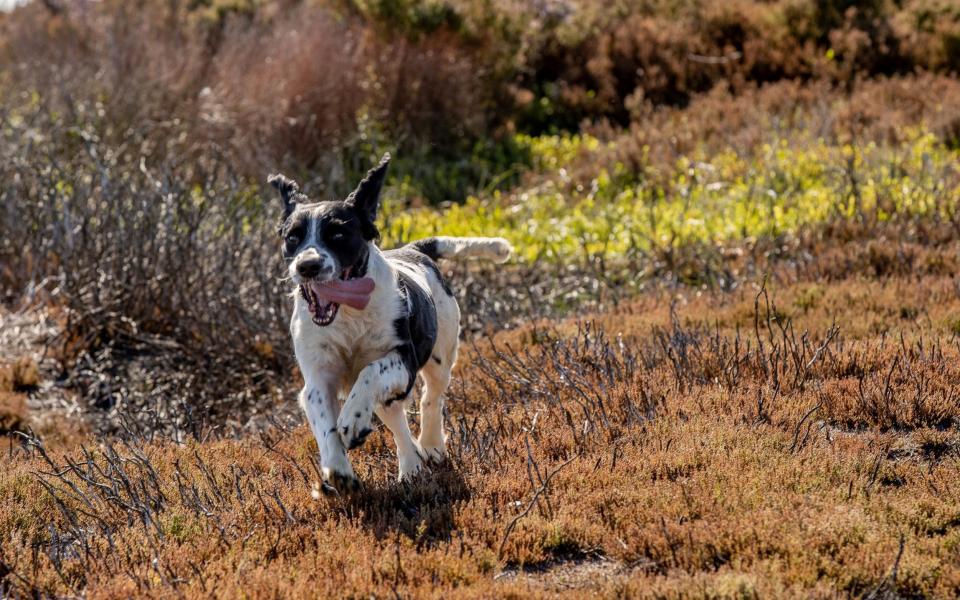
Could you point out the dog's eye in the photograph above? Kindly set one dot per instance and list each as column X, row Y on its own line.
column 293, row 239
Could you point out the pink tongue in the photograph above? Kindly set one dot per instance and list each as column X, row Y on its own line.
column 355, row 293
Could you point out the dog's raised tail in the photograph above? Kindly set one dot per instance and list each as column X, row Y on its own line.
column 495, row 249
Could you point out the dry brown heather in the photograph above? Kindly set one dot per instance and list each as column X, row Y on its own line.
column 795, row 441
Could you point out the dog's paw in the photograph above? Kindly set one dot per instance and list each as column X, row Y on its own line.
column 354, row 429
column 338, row 475
column 411, row 464
column 435, row 454
column 339, row 482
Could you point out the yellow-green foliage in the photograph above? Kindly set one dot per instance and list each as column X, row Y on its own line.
column 706, row 198
column 553, row 152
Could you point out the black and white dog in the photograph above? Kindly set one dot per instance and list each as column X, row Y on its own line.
column 366, row 321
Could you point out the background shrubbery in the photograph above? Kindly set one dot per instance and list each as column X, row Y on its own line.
column 613, row 138
column 318, row 87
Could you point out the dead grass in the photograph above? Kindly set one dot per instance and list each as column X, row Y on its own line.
column 793, row 440
column 12, row 412
column 15, row 378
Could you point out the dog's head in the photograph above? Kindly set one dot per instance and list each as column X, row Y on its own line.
column 323, row 241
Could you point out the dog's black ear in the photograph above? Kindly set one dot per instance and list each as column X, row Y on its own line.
column 289, row 192
column 366, row 198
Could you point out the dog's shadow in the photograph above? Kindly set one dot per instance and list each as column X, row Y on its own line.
column 421, row 509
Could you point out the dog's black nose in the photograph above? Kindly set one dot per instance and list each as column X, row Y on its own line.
column 310, row 267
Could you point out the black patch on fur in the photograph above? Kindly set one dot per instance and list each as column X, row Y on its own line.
column 416, row 328
column 340, row 230
column 289, row 192
column 426, row 246
column 437, row 360
column 412, row 256
column 365, row 200
column 361, row 437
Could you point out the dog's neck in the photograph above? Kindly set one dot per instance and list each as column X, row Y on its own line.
column 378, row 269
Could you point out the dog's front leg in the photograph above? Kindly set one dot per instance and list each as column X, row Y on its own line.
column 320, row 404
column 380, row 382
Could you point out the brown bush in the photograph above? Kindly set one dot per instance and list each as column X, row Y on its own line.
column 884, row 111
column 599, row 62
column 295, row 86
column 13, row 413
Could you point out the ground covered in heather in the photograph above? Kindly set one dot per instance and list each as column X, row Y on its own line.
column 795, row 435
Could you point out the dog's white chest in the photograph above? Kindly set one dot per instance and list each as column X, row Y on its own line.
column 346, row 346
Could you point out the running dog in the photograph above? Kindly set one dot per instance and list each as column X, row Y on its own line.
column 367, row 321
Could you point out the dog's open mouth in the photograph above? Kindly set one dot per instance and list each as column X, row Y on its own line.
column 322, row 311
column 325, row 297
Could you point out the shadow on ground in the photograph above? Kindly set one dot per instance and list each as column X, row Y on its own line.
column 421, row 509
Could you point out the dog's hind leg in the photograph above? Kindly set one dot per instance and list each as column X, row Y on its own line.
column 320, row 404
column 436, row 373
column 409, row 456
column 381, row 382
column 436, row 378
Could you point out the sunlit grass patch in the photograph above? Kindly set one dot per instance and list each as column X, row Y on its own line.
column 707, row 199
